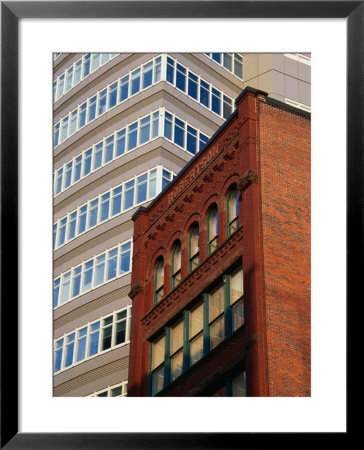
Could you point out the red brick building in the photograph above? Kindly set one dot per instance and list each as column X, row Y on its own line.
column 221, row 264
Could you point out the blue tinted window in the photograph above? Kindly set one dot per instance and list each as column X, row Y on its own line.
column 181, row 78
column 77, row 168
column 124, row 88
column 92, row 108
column 116, row 200
column 192, row 85
column 81, row 344
column 76, row 281
column 216, row 101
column 78, row 72
column 120, row 143
column 100, row 270
column 216, row 57
column 179, row 132
column 60, row 85
column 82, row 219
column 73, row 126
column 133, row 136
column 142, row 188
column 64, row 128
column 86, row 65
column 56, row 285
column 147, row 74
column 72, row 225
column 113, row 94
column 191, row 139
column 62, row 231
column 69, row 79
column 54, row 234
column 135, row 82
column 144, row 130
column 170, row 70
column 68, row 175
column 87, row 162
column 102, row 102
column 83, row 115
column 87, row 279
column 105, row 203
column 129, row 194
column 166, row 178
column 94, row 207
column 98, row 155
column 155, row 125
column 59, row 180
column 168, row 126
column 125, row 258
column 94, row 339
column 95, row 61
column 58, row 355
column 56, row 135
column 204, row 93
column 70, row 349
column 112, row 259
column 109, row 149
column 157, row 69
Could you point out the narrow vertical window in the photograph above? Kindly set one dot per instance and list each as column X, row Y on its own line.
column 82, row 114
column 232, row 211
column 58, row 354
column 68, row 175
column 93, row 213
column 191, row 140
column 72, row 225
column 87, row 275
column 100, row 270
column 64, row 133
column 125, row 253
column 77, row 169
column 105, row 207
column 212, row 229
column 81, row 344
column 236, row 298
column 113, row 90
column 60, row 86
column 179, row 132
column 170, row 70
column 56, row 287
column 192, row 85
column 129, row 194
column 196, row 333
column 157, row 368
column 59, row 180
column 95, row 61
column 238, row 66
column 77, row 77
column 112, row 259
column 204, row 94
column 87, row 162
column 157, row 69
column 86, row 65
column 176, row 265
column 142, row 188
column 132, row 136
column 228, row 61
column 92, row 108
column 62, row 231
column 73, row 126
column 102, row 102
column 155, row 125
column 124, row 88
column 176, row 350
column 76, row 282
column 193, row 249
column 69, row 79
column 116, row 200
column 216, row 316
column 56, row 135
column 66, row 287
column 159, row 281
column 120, row 328
column 181, row 78
column 97, row 159
column 70, row 347
column 166, row 178
column 120, row 143
column 216, row 101
column 152, row 183
column 227, row 108
column 106, row 333
column 147, row 74
column 82, row 219
column 144, row 130
column 168, row 126
column 94, row 336
column 135, row 81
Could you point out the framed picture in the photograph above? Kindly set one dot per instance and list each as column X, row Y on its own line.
column 19, row 174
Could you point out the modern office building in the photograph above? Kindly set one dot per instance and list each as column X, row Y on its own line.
column 124, row 126
column 221, row 265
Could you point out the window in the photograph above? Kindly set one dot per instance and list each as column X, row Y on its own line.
column 97, row 337
column 198, row 330
column 98, row 270
column 157, row 365
column 212, row 229
column 118, row 390
column 159, row 281
column 176, row 265
column 233, row 386
column 232, row 211
column 232, row 62
column 193, row 247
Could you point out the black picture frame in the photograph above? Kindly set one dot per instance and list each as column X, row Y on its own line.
column 11, row 12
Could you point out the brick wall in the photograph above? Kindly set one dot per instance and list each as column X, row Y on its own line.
column 285, row 164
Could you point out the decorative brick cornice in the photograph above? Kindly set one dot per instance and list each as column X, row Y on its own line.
column 247, row 180
column 137, row 288
column 189, row 288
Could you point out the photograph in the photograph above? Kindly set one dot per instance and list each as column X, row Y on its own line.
column 182, row 224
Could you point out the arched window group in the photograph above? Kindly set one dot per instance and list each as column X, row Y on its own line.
column 212, row 239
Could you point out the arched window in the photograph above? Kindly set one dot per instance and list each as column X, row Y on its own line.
column 193, row 247
column 176, row 264
column 212, row 229
column 232, row 211
column 159, row 280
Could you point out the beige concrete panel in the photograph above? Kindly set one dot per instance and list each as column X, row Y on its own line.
column 291, row 67
column 265, row 63
column 305, row 93
column 278, row 62
column 88, row 372
column 78, row 313
column 304, row 72
column 250, row 67
column 291, row 89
